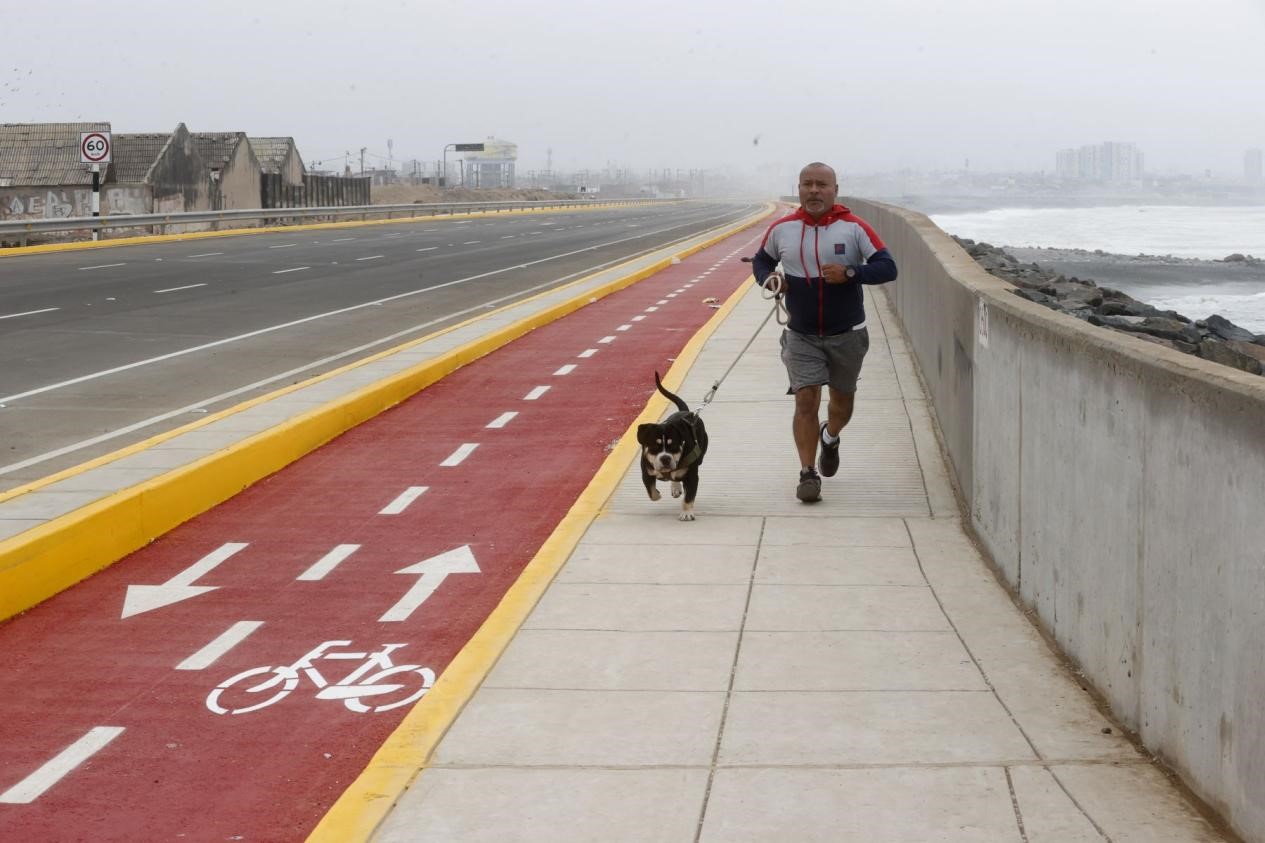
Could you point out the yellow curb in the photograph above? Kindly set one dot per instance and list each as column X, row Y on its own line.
column 47, row 559
column 403, row 757
column 273, row 229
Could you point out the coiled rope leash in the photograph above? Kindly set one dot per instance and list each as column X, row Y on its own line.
column 783, row 317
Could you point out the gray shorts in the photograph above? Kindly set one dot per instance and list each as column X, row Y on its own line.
column 834, row 360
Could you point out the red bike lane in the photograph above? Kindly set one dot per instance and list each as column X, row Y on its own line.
column 124, row 711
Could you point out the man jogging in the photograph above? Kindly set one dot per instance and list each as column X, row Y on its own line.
column 826, row 253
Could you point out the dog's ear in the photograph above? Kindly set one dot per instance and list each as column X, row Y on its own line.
column 647, row 434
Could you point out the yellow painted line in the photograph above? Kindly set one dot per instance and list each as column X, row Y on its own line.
column 273, row 229
column 403, row 757
column 47, row 559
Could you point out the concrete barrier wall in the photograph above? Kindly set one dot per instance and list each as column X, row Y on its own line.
column 1120, row 489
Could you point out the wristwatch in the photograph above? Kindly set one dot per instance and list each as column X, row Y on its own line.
column 850, row 273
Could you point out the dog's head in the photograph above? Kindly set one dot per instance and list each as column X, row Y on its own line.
column 662, row 445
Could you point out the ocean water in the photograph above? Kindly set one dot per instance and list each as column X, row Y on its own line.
column 1180, row 231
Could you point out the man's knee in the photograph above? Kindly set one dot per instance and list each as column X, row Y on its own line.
column 808, row 400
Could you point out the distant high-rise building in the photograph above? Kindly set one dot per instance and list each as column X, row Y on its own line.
column 1107, row 162
column 1252, row 166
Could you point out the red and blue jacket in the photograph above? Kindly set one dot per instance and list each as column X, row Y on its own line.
column 803, row 246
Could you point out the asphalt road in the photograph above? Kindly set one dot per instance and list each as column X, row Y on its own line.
column 102, row 348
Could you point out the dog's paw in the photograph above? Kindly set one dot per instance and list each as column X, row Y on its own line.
column 676, row 489
column 685, row 516
column 654, row 493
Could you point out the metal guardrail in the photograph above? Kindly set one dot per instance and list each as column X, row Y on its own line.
column 21, row 230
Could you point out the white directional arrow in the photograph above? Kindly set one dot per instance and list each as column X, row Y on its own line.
column 434, row 571
column 143, row 598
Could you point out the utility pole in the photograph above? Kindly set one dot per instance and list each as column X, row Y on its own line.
column 362, row 159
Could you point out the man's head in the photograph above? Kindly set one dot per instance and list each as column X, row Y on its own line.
column 818, row 189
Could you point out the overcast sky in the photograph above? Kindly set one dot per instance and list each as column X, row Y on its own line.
column 872, row 86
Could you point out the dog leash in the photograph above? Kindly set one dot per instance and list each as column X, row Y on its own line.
column 782, row 318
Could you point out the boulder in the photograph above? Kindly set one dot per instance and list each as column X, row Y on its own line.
column 1076, row 295
column 1249, row 348
column 1220, row 352
column 1227, row 330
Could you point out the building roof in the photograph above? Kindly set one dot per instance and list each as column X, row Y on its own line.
column 136, row 152
column 272, row 152
column 216, row 148
column 44, row 153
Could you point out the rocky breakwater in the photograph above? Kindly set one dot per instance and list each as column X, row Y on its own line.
column 1215, row 338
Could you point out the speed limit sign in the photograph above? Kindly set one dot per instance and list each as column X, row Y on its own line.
column 94, row 147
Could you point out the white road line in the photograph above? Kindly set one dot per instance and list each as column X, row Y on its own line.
column 101, row 266
column 371, row 258
column 295, row 269
column 588, row 352
column 206, row 255
column 671, row 295
column 458, row 456
column 60, row 765
column 471, row 242
column 428, row 249
column 623, row 327
column 402, row 502
column 174, row 289
column 651, row 309
column 502, row 420
column 535, row 393
column 662, row 301
column 607, row 340
column 342, row 239
column 283, row 246
column 225, row 641
column 328, row 562
column 29, row 313
column 565, row 370
column 508, row 236
column 639, row 317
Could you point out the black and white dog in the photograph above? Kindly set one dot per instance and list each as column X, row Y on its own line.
column 673, row 450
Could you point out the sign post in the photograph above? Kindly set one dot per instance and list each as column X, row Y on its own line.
column 94, row 149
column 459, row 147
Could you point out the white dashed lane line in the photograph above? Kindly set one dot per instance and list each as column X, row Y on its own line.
column 206, row 255
column 639, row 317
column 402, row 502
column 29, row 313
column 607, row 340
column 501, row 420
column 535, row 393
column 294, row 269
column 623, row 327
column 588, row 352
column 651, row 309
column 342, row 239
column 101, row 266
column 283, row 246
column 428, row 249
column 565, row 370
column 371, row 258
column 471, row 242
column 225, row 641
column 328, row 562
column 174, row 289
column 60, row 765
column 458, row 456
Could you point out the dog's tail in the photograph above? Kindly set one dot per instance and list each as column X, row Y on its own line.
column 680, row 405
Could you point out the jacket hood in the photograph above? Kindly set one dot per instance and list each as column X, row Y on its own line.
column 836, row 212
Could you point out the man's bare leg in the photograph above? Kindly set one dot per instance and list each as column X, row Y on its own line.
column 805, row 426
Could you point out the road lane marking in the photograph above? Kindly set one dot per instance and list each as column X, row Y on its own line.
column 146, row 598
column 565, row 370
column 402, row 502
column 295, row 269
column 29, row 313
column 225, row 641
column 458, row 456
column 101, row 266
column 60, row 765
column 174, row 289
column 328, row 562
column 433, row 572
column 508, row 236
column 662, row 301
column 623, row 327
column 428, row 249
column 471, row 242
column 651, row 309
column 501, row 420
column 206, row 255
column 371, row 258
column 639, row 317
column 588, row 352
column 342, row 239
column 535, row 393
column 283, row 246
column 607, row 340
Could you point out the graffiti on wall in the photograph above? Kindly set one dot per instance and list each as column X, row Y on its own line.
column 59, row 203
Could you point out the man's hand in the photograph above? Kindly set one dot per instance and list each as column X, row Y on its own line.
column 775, row 283
column 835, row 274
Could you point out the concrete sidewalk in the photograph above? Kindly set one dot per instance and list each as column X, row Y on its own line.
column 774, row 671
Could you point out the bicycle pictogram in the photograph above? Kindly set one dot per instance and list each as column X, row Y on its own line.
column 237, row 694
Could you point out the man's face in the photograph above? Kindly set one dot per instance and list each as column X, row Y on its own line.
column 817, row 190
